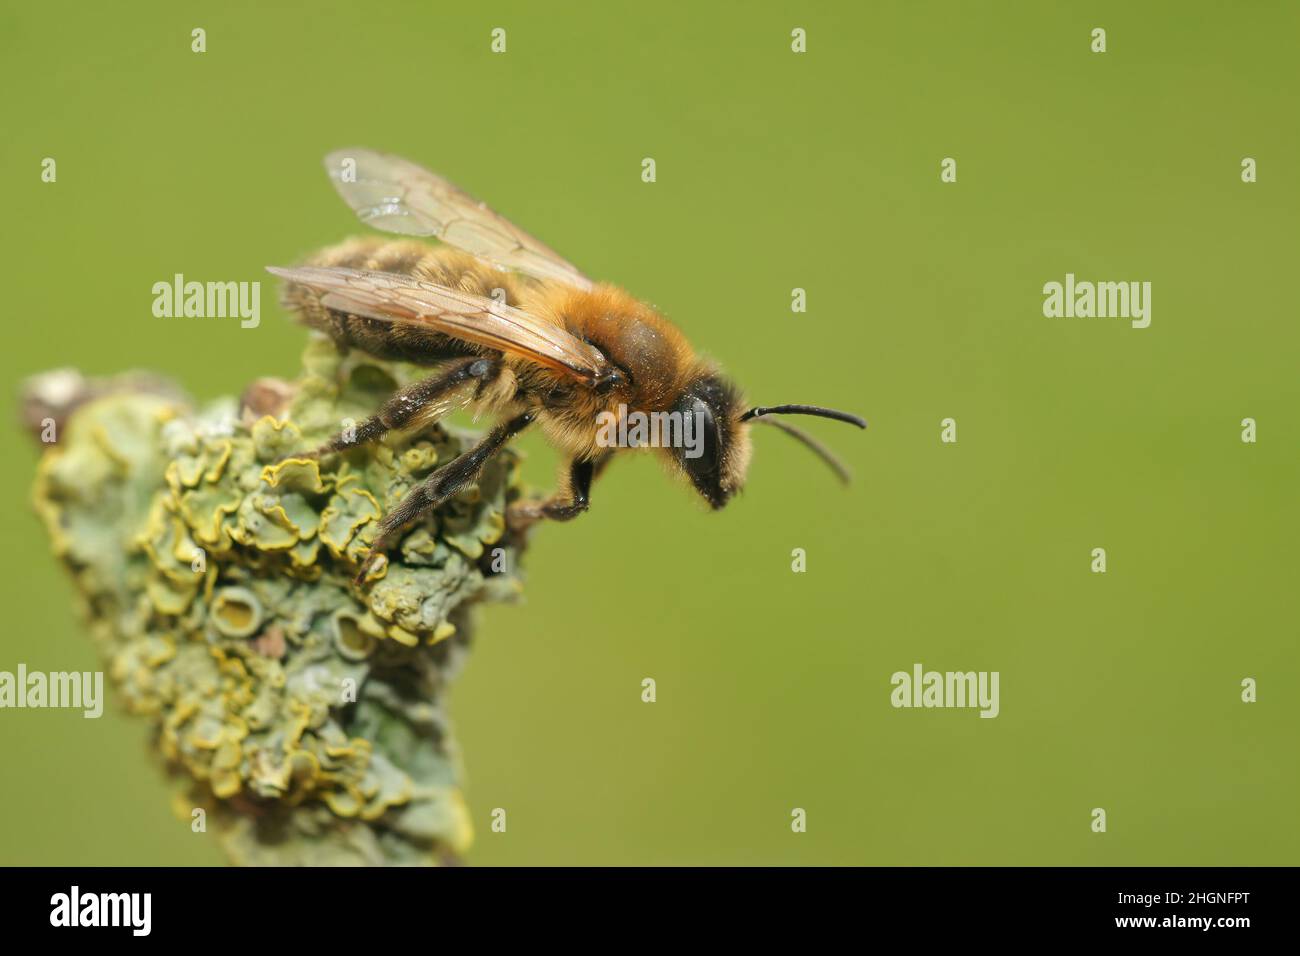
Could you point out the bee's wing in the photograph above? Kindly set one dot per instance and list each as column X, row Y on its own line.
column 390, row 297
column 396, row 195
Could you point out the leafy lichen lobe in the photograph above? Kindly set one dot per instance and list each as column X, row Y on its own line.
column 301, row 712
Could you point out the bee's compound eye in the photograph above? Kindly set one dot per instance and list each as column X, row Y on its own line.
column 708, row 407
column 699, row 426
column 701, row 451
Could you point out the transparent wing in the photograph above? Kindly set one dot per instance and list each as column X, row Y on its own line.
column 390, row 297
column 396, row 195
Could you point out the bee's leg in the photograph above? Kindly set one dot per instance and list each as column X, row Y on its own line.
column 443, row 484
column 406, row 405
column 567, row 503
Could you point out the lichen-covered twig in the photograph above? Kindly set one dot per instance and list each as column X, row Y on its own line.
column 300, row 713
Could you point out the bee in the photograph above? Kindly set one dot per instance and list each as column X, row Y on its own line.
column 509, row 328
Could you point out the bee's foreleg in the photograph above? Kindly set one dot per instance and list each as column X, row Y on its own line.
column 565, row 504
column 442, row 485
column 406, row 405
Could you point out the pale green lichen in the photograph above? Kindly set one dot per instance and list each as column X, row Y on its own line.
column 304, row 713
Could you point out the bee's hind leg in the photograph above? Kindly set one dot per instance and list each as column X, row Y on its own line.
column 406, row 405
column 441, row 486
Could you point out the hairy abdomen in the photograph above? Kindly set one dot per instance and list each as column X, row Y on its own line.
column 398, row 341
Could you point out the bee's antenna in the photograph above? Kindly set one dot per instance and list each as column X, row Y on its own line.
column 758, row 412
column 820, row 450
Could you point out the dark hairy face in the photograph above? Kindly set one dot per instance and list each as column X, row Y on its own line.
column 710, row 407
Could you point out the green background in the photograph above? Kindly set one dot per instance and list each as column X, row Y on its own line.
column 775, row 170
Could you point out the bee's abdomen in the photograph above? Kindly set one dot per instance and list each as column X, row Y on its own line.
column 397, row 341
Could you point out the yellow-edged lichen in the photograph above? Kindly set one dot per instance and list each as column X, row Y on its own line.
column 302, row 712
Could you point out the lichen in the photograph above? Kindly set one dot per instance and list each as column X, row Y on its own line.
column 302, row 713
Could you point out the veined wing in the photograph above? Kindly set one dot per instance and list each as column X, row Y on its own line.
column 390, row 297
column 396, row 195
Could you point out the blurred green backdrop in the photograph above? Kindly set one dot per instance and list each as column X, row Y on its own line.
column 775, row 171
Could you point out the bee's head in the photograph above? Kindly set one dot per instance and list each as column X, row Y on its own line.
column 714, row 448
column 714, row 452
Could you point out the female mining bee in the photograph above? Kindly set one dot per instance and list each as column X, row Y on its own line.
column 513, row 330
